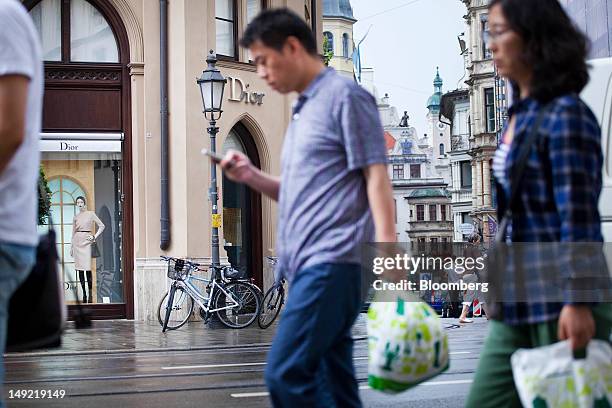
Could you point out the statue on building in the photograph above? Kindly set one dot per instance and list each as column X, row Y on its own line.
column 404, row 120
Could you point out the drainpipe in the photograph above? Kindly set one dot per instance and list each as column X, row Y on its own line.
column 164, row 243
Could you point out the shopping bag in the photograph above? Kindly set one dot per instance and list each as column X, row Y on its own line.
column 550, row 376
column 406, row 343
column 37, row 312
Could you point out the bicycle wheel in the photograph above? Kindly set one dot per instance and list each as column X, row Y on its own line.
column 179, row 312
column 259, row 292
column 256, row 288
column 245, row 312
column 271, row 306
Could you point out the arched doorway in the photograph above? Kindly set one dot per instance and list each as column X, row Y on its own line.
column 86, row 130
column 242, row 231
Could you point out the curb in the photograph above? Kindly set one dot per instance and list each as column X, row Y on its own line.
column 142, row 350
column 127, row 351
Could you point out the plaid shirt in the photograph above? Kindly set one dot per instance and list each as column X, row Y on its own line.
column 557, row 200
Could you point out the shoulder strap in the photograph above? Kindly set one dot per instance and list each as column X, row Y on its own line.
column 517, row 172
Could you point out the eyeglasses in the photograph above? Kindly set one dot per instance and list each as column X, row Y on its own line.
column 493, row 36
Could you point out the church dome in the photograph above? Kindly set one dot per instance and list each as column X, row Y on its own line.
column 434, row 101
column 338, row 8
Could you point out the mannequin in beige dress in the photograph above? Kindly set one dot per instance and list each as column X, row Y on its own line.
column 83, row 237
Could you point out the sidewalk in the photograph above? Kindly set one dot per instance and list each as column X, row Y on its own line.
column 128, row 336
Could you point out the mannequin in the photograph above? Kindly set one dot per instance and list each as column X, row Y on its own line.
column 82, row 239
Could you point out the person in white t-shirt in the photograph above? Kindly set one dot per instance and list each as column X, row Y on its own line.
column 21, row 90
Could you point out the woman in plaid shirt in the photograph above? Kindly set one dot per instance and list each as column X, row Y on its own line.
column 536, row 46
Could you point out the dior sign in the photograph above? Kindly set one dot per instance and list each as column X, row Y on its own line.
column 239, row 91
column 80, row 146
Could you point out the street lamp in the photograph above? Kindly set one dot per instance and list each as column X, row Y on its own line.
column 212, row 84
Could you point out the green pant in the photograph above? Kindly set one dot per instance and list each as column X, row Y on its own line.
column 493, row 384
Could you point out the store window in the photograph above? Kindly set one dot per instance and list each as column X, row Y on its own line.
column 94, row 276
column 225, row 22
column 91, row 38
column 83, row 150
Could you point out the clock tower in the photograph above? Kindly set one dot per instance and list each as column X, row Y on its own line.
column 437, row 132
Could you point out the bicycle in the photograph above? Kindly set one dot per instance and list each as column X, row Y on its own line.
column 236, row 304
column 273, row 301
column 231, row 275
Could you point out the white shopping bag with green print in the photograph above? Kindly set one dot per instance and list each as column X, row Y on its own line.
column 550, row 376
column 407, row 345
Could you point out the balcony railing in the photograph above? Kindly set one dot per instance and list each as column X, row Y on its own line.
column 462, row 195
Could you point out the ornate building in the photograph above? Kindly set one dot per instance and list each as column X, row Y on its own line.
column 338, row 24
column 455, row 108
column 487, row 115
column 438, row 132
column 422, row 203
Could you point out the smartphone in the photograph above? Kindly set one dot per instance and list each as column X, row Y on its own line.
column 216, row 158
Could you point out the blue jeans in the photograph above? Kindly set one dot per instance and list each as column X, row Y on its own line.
column 310, row 363
column 16, row 261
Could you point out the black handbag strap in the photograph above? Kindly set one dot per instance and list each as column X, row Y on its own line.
column 517, row 173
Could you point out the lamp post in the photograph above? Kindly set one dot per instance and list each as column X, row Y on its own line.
column 212, row 84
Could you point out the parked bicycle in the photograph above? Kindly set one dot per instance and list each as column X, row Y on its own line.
column 231, row 275
column 235, row 303
column 274, row 299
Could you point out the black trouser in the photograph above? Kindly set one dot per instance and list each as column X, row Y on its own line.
column 89, row 284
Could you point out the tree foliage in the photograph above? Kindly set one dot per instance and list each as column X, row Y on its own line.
column 44, row 198
column 328, row 53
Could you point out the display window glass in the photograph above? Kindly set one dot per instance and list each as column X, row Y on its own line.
column 94, row 275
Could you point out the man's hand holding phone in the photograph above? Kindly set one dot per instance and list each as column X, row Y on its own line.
column 236, row 165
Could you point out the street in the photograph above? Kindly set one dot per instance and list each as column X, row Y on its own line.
column 105, row 367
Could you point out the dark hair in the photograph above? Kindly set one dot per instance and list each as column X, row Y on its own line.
column 555, row 48
column 80, row 198
column 273, row 26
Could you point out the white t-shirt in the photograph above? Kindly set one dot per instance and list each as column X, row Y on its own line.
column 20, row 54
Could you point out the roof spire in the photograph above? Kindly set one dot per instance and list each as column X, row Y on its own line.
column 438, row 80
column 433, row 103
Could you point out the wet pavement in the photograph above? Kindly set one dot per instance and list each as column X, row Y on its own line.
column 132, row 364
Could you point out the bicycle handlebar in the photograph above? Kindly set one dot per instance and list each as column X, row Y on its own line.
column 189, row 263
